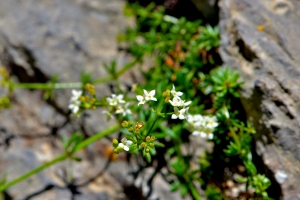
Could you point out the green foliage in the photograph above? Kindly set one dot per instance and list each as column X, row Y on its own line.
column 185, row 55
column 184, row 52
column 213, row 193
column 260, row 183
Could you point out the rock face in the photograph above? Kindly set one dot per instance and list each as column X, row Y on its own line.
column 260, row 39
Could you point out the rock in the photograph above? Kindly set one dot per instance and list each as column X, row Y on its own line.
column 259, row 39
column 39, row 39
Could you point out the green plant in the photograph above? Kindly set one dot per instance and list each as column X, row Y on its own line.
column 194, row 98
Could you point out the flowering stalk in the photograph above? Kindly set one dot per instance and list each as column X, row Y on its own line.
column 47, row 86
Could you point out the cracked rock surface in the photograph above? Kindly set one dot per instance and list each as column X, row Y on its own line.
column 260, row 40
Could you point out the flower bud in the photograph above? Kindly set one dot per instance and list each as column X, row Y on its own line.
column 151, row 144
column 168, row 93
column 125, row 124
column 116, row 151
column 144, row 144
column 148, row 138
column 147, row 150
column 115, row 143
column 153, row 138
column 130, row 129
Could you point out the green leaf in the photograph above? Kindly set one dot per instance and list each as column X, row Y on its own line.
column 183, row 190
column 232, row 149
column 250, row 167
column 167, row 131
column 174, row 186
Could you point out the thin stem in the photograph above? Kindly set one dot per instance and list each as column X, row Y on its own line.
column 34, row 171
column 47, row 86
column 156, row 118
column 62, row 157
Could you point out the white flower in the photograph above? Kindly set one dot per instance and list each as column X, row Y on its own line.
column 75, row 95
column 210, row 136
column 74, row 106
column 181, row 114
column 176, row 101
column 123, row 109
column 201, row 132
column 174, row 93
column 149, row 96
column 125, row 144
column 212, row 122
column 74, row 101
column 115, row 100
column 202, row 125
column 196, row 120
column 141, row 99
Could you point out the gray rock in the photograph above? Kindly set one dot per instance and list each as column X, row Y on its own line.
column 260, row 40
column 39, row 39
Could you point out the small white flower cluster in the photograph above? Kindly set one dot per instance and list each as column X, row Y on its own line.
column 180, row 109
column 125, row 144
column 120, row 105
column 148, row 96
column 74, row 101
column 202, row 125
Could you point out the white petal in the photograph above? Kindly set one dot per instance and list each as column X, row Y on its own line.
column 174, row 116
column 129, row 142
column 179, row 93
column 152, row 93
column 196, row 133
column 181, row 117
column 139, row 98
column 141, row 102
column 203, row 135
column 126, row 148
column 121, row 145
column 75, row 109
column 146, row 93
column 187, row 103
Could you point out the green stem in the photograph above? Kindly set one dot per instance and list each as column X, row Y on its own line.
column 156, row 118
column 194, row 192
column 47, row 86
column 62, row 157
column 34, row 171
